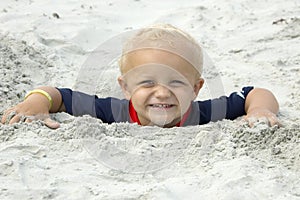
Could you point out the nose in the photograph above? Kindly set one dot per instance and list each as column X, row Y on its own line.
column 162, row 92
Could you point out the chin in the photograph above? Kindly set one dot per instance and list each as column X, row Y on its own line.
column 166, row 123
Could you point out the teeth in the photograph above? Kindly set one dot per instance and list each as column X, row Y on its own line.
column 161, row 105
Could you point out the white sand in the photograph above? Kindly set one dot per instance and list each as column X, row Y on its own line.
column 251, row 43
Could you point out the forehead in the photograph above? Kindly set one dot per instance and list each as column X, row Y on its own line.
column 151, row 57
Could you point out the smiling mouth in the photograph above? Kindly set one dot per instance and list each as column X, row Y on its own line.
column 162, row 105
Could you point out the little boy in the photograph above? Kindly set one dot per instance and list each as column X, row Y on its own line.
column 161, row 69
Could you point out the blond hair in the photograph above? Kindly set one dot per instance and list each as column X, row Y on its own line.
column 164, row 37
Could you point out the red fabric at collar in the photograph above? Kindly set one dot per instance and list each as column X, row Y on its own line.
column 134, row 117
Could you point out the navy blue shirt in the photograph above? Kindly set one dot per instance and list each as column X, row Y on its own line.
column 111, row 110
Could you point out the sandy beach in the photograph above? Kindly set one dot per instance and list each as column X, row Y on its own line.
column 250, row 43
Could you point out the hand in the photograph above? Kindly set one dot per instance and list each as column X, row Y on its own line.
column 33, row 108
column 261, row 115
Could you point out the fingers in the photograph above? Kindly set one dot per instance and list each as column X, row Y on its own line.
column 14, row 119
column 11, row 116
column 51, row 123
column 270, row 120
column 20, row 118
column 273, row 120
column 5, row 115
column 8, row 116
column 252, row 121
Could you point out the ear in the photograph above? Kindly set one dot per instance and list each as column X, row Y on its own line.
column 197, row 86
column 124, row 87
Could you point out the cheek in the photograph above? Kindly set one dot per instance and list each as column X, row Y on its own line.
column 184, row 97
column 139, row 96
column 184, row 94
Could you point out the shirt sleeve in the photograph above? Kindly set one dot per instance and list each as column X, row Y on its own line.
column 109, row 109
column 224, row 107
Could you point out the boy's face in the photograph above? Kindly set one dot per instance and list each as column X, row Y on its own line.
column 161, row 86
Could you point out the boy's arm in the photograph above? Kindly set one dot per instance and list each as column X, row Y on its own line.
column 261, row 104
column 36, row 106
column 57, row 105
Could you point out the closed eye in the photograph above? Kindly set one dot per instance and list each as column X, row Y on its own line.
column 147, row 83
column 177, row 83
